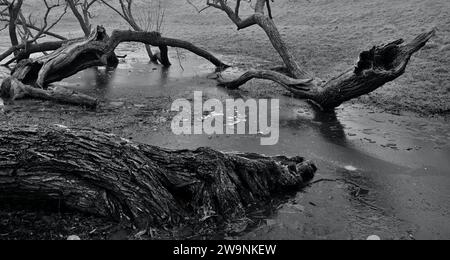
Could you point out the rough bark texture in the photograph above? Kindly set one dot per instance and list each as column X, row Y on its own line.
column 105, row 175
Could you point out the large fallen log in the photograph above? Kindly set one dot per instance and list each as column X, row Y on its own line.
column 106, row 175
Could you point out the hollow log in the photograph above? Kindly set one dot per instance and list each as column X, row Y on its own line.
column 375, row 68
column 105, row 175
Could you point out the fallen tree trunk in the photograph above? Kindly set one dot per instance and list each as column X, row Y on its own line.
column 73, row 56
column 12, row 89
column 97, row 47
column 105, row 175
column 375, row 68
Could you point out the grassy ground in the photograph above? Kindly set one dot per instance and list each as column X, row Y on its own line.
column 326, row 36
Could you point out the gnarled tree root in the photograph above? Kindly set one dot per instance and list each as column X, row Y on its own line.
column 105, row 175
column 375, row 68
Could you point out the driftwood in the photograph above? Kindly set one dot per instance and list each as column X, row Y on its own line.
column 376, row 67
column 105, row 175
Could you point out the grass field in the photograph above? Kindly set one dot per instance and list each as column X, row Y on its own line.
column 326, row 36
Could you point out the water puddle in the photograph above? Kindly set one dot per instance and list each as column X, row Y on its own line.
column 383, row 174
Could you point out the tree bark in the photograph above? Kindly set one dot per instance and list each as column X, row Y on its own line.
column 108, row 176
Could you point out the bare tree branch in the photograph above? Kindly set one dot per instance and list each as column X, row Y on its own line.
column 27, row 24
column 126, row 12
column 83, row 19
